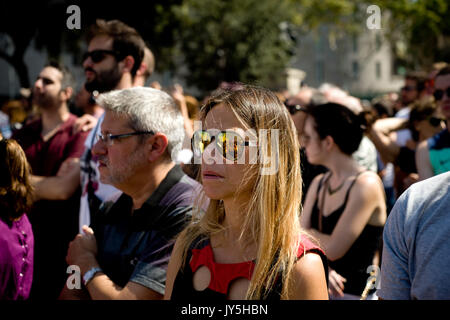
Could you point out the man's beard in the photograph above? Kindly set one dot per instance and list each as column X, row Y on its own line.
column 104, row 81
column 119, row 176
column 44, row 101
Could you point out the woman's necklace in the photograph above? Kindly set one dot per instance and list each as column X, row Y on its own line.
column 331, row 191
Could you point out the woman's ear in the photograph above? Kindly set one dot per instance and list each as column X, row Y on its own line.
column 329, row 142
column 417, row 125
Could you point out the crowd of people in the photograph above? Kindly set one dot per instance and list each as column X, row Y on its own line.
column 247, row 193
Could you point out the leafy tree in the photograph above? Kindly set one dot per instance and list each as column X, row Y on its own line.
column 235, row 40
column 419, row 30
column 423, row 26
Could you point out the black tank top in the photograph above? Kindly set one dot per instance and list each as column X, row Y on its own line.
column 353, row 265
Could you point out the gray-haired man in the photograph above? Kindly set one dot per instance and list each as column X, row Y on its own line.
column 124, row 254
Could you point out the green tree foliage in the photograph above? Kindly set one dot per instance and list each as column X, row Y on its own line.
column 419, row 30
column 423, row 26
column 235, row 40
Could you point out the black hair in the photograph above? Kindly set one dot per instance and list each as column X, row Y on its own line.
column 421, row 110
column 126, row 40
column 443, row 72
column 68, row 79
column 420, row 77
column 343, row 125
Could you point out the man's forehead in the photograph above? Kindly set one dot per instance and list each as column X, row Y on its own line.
column 410, row 81
column 51, row 73
column 442, row 81
column 102, row 42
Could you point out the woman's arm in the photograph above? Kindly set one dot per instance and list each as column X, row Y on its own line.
column 423, row 162
column 308, row 279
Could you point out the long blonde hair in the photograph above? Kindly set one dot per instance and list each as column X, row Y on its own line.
column 272, row 219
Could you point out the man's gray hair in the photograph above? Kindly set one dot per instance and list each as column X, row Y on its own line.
column 148, row 109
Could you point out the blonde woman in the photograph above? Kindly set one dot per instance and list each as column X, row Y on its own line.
column 249, row 243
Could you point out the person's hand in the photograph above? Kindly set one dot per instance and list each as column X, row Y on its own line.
column 155, row 85
column 411, row 144
column 336, row 283
column 83, row 250
column 68, row 166
column 177, row 94
column 410, row 179
column 180, row 100
column 84, row 123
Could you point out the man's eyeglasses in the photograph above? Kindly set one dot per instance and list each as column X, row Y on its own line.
column 294, row 108
column 108, row 138
column 98, row 55
column 228, row 143
column 408, row 88
column 439, row 93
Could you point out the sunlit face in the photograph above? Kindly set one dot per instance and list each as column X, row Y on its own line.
column 442, row 83
column 47, row 88
column 222, row 179
column 312, row 143
column 120, row 162
column 105, row 75
column 409, row 93
column 426, row 129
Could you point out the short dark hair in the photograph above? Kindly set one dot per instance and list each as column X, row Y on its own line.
column 420, row 77
column 443, row 72
column 126, row 40
column 421, row 110
column 68, row 79
column 343, row 125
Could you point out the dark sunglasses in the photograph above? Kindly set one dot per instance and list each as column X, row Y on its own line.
column 408, row 88
column 439, row 93
column 98, row 55
column 228, row 143
column 435, row 121
column 294, row 108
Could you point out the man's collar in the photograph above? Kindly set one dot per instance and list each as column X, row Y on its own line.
column 172, row 178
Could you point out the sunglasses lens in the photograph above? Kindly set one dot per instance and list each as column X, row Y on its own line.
column 438, row 94
column 97, row 56
column 230, row 145
column 200, row 141
column 291, row 109
column 435, row 121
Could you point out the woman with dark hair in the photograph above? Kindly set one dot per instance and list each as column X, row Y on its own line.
column 344, row 208
column 424, row 122
column 16, row 235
